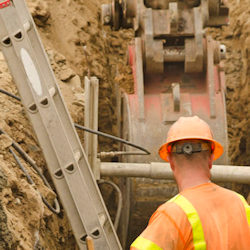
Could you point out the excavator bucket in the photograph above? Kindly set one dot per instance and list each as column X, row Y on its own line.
column 177, row 72
column 160, row 99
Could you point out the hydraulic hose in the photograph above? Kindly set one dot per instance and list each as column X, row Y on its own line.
column 94, row 131
column 112, row 137
column 119, row 205
column 116, row 153
column 55, row 210
column 29, row 160
column 9, row 94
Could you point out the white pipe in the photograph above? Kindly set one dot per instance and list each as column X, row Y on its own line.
column 158, row 170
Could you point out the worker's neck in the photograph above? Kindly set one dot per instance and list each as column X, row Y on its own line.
column 191, row 179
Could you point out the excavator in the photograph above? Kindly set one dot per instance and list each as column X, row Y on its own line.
column 176, row 66
column 177, row 72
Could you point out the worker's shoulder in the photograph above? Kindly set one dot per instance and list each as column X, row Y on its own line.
column 170, row 208
column 229, row 193
column 209, row 189
column 211, row 192
column 233, row 196
column 169, row 213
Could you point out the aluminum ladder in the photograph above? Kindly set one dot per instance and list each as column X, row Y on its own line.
column 44, row 105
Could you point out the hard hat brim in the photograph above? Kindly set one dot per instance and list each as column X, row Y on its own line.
column 218, row 148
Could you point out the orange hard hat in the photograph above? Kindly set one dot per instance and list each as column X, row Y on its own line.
column 187, row 128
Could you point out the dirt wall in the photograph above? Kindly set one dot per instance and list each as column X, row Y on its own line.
column 236, row 37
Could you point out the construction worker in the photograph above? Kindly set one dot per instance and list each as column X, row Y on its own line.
column 203, row 215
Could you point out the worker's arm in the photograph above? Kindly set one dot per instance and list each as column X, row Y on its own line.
column 161, row 233
column 148, row 239
column 142, row 243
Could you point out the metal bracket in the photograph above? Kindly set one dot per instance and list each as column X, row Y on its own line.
column 91, row 87
column 210, row 76
column 175, row 105
column 176, row 96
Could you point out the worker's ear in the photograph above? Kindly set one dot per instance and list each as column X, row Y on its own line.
column 171, row 161
column 210, row 161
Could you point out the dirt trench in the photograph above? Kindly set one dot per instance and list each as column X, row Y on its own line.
column 66, row 28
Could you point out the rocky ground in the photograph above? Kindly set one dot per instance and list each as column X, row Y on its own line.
column 67, row 28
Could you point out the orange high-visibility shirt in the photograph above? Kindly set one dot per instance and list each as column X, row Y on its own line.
column 221, row 212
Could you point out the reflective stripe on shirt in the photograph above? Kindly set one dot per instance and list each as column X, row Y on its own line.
column 194, row 220
column 247, row 207
column 145, row 244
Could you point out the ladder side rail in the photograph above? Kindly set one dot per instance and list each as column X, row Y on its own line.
column 51, row 82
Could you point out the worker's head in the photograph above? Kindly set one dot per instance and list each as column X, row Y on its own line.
column 189, row 139
column 188, row 155
column 190, row 149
